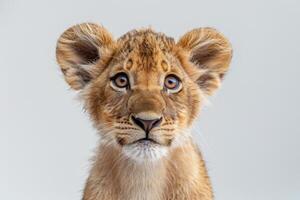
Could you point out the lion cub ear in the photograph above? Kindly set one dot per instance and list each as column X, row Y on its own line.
column 78, row 50
column 211, row 53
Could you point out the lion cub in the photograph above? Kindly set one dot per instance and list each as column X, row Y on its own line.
column 143, row 92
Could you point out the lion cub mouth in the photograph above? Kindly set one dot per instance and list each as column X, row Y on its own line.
column 146, row 141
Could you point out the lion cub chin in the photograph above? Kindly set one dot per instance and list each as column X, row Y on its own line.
column 143, row 91
column 145, row 150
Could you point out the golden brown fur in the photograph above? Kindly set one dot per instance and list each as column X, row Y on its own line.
column 169, row 166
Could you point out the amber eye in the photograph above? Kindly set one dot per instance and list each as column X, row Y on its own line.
column 172, row 83
column 120, row 80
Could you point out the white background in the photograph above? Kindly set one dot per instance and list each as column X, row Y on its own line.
column 250, row 135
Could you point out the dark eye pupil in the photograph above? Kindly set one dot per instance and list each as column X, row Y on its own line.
column 171, row 81
column 122, row 80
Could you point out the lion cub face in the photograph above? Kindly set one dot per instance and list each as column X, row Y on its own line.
column 143, row 90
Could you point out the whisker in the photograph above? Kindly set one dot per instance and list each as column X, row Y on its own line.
column 124, row 122
column 123, row 134
column 167, row 129
column 125, row 127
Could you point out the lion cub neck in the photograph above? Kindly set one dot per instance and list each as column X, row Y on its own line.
column 180, row 173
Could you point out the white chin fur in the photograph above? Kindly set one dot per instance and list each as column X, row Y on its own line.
column 141, row 152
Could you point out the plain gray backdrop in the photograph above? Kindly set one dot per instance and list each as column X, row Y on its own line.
column 250, row 134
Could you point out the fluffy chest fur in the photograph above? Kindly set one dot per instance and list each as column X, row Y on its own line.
column 145, row 182
column 180, row 175
column 119, row 178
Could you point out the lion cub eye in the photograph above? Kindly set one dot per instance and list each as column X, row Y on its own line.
column 120, row 80
column 172, row 83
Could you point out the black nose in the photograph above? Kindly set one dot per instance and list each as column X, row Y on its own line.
column 146, row 125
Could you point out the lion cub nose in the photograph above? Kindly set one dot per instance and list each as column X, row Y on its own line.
column 147, row 124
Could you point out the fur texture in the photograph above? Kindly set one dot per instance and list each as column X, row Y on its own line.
column 167, row 165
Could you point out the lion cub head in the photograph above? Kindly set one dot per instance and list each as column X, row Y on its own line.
column 144, row 89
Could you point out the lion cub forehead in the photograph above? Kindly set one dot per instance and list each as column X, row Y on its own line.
column 146, row 48
column 145, row 41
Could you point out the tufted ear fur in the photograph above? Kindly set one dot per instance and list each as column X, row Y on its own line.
column 79, row 49
column 211, row 53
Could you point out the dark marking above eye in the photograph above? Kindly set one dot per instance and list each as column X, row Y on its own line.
column 129, row 64
column 164, row 65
